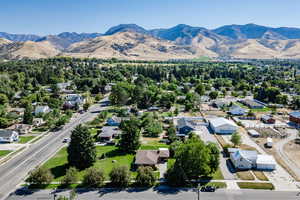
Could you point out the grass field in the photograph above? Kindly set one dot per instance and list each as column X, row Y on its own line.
column 59, row 164
column 4, row 153
column 25, row 139
column 253, row 185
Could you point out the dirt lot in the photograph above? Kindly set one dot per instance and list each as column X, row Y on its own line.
column 293, row 152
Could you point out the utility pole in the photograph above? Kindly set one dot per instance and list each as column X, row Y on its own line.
column 198, row 191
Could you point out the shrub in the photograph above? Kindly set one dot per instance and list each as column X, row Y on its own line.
column 93, row 177
column 39, row 176
column 145, row 177
column 71, row 177
column 120, row 176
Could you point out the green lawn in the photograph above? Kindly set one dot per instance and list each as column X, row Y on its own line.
column 4, row 153
column 25, row 139
column 215, row 184
column 58, row 163
column 253, row 185
column 153, row 145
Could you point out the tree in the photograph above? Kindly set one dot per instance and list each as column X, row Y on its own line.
column 120, row 176
column 167, row 100
column 236, row 139
column 130, row 137
column 39, row 177
column 145, row 177
column 193, row 159
column 86, row 106
column 93, row 177
column 28, row 116
column 81, row 150
column 3, row 99
column 213, row 94
column 200, row 89
column 71, row 177
column 154, row 129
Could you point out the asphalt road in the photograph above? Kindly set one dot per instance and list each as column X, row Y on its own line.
column 15, row 170
column 164, row 194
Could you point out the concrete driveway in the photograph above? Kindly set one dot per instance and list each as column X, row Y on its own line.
column 225, row 166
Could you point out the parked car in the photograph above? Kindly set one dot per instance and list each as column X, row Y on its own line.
column 208, row 189
column 66, row 140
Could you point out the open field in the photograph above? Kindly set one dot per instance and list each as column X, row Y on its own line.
column 293, row 152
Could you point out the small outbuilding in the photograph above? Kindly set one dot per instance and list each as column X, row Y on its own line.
column 265, row 162
column 268, row 119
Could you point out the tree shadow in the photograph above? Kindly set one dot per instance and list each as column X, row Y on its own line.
column 59, row 171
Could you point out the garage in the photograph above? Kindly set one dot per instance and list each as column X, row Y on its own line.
column 265, row 162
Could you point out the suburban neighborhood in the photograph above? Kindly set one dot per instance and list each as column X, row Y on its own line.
column 137, row 130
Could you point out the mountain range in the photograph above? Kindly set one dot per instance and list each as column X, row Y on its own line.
column 130, row 41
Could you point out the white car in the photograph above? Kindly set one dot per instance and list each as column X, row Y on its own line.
column 66, row 140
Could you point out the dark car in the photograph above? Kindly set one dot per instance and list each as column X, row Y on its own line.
column 208, row 189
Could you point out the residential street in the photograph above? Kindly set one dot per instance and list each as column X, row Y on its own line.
column 14, row 171
column 163, row 193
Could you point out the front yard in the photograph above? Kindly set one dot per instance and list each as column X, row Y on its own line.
column 25, row 139
column 59, row 163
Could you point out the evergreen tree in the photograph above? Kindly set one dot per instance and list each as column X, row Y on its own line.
column 130, row 138
column 81, row 150
column 28, row 116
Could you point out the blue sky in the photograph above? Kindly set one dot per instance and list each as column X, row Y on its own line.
column 55, row 16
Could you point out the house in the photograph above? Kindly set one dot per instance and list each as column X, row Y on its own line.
column 186, row 125
column 114, row 121
column 151, row 157
column 72, row 100
column 237, row 110
column 268, row 119
column 253, row 104
column 37, row 122
column 294, row 117
column 41, row 110
column 21, row 128
column 242, row 159
column 245, row 160
column 8, row 135
column 253, row 133
column 108, row 133
column 222, row 125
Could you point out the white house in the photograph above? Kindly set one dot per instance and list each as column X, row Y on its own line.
column 8, row 136
column 73, row 99
column 37, row 122
column 222, row 125
column 41, row 110
column 244, row 160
